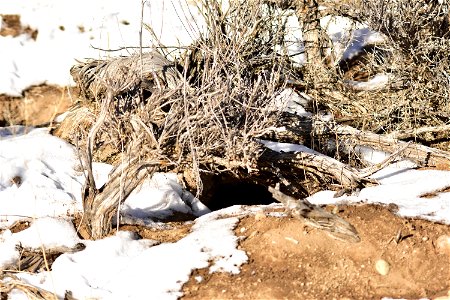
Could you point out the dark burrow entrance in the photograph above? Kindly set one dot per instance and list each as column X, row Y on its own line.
column 222, row 191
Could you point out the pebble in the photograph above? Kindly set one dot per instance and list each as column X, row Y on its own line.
column 443, row 244
column 253, row 234
column 335, row 210
column 292, row 240
column 447, row 297
column 260, row 216
column 382, row 267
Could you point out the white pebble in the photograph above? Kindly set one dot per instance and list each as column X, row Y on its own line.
column 260, row 215
column 288, row 238
column 382, row 267
column 443, row 244
column 446, row 297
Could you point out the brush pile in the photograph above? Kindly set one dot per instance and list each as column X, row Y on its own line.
column 209, row 112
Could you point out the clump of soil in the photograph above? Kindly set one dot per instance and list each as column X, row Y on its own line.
column 290, row 261
column 173, row 231
column 12, row 26
column 39, row 105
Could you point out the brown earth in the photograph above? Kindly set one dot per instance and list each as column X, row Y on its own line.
column 288, row 260
column 11, row 26
column 39, row 105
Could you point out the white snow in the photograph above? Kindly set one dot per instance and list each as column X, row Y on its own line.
column 49, row 191
column 399, row 184
column 75, row 30
column 377, row 82
column 405, row 188
column 287, row 147
column 63, row 234
column 37, row 177
column 159, row 197
column 123, row 267
column 292, row 102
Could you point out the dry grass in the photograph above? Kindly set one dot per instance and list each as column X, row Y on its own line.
column 10, row 282
column 203, row 112
column 415, row 53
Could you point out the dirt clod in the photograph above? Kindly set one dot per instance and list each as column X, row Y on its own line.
column 260, row 216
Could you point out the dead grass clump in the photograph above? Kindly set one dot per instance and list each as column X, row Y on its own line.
column 416, row 60
column 203, row 112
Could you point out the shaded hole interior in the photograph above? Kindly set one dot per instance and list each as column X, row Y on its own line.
column 226, row 194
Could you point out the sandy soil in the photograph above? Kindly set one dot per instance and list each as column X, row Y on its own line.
column 39, row 105
column 291, row 261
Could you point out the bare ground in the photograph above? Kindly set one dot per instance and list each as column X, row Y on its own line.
column 39, row 105
column 288, row 260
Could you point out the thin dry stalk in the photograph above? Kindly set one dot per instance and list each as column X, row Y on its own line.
column 9, row 282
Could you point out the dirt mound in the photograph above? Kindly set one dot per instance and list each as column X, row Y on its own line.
column 39, row 105
column 290, row 261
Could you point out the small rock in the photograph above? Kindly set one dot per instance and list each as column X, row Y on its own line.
column 260, row 215
column 242, row 230
column 447, row 297
column 288, row 238
column 382, row 267
column 443, row 244
column 253, row 234
column 335, row 210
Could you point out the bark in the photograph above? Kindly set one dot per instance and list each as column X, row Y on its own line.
column 315, row 40
column 422, row 155
column 100, row 206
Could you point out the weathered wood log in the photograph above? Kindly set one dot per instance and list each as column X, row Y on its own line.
column 32, row 259
column 100, row 206
column 11, row 282
column 420, row 154
column 415, row 132
column 350, row 137
column 318, row 164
